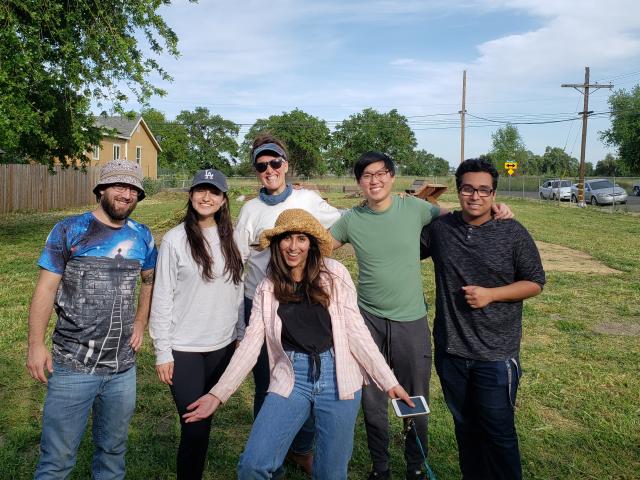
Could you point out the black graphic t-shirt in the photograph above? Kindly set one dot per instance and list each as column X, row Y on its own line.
column 95, row 302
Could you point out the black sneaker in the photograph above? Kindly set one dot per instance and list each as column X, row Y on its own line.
column 416, row 475
column 375, row 475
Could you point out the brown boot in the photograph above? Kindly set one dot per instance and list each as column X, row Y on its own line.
column 302, row 460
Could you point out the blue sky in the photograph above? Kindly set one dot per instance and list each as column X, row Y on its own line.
column 250, row 59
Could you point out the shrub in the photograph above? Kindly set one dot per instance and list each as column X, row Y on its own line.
column 151, row 186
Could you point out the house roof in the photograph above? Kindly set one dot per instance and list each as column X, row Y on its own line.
column 125, row 126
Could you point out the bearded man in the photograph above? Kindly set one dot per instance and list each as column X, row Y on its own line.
column 88, row 272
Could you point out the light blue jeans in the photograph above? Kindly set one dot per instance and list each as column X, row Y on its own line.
column 280, row 419
column 70, row 398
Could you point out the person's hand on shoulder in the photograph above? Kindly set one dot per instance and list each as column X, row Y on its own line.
column 501, row 211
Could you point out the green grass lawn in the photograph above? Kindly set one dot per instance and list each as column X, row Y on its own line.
column 578, row 406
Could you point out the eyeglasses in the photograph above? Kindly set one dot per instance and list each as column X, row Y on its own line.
column 120, row 188
column 379, row 175
column 275, row 164
column 468, row 190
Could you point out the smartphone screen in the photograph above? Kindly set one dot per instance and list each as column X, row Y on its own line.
column 405, row 409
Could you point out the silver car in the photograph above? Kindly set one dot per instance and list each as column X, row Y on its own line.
column 555, row 189
column 600, row 192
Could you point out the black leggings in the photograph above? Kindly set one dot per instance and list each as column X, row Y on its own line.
column 194, row 374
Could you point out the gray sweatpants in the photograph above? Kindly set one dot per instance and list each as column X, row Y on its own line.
column 407, row 348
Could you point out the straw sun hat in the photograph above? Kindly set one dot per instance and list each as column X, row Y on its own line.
column 296, row 220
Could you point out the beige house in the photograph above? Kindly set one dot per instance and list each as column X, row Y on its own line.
column 131, row 141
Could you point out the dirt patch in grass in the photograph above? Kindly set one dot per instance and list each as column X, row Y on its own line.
column 564, row 259
column 615, row 328
column 553, row 419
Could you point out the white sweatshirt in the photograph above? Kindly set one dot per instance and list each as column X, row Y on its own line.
column 256, row 216
column 190, row 314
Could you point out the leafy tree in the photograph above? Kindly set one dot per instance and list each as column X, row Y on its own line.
column 625, row 128
column 57, row 57
column 588, row 169
column 424, row 164
column 371, row 130
column 211, row 140
column 610, row 166
column 305, row 136
column 530, row 164
column 555, row 161
column 171, row 136
column 507, row 146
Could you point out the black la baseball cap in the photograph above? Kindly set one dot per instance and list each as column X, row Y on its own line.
column 211, row 176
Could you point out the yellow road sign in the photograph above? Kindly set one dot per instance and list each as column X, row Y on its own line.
column 510, row 167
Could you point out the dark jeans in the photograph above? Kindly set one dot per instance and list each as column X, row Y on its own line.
column 194, row 374
column 481, row 396
column 303, row 442
column 407, row 348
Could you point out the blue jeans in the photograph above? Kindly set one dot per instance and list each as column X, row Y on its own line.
column 481, row 396
column 280, row 419
column 303, row 441
column 70, row 398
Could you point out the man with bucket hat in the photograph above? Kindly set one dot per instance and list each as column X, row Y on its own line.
column 88, row 272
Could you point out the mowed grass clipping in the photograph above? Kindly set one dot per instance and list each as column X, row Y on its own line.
column 578, row 411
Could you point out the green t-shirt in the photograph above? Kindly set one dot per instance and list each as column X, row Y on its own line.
column 387, row 246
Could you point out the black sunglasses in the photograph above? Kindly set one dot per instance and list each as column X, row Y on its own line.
column 275, row 164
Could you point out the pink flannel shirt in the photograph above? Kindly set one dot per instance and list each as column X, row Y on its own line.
column 356, row 355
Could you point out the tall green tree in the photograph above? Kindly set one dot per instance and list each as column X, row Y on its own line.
column 530, row 164
column 507, row 146
column 624, row 133
column 306, row 138
column 557, row 162
column 57, row 57
column 211, row 140
column 371, row 130
column 610, row 166
column 424, row 163
column 171, row 136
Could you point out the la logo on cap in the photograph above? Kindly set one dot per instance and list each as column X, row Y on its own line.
column 208, row 174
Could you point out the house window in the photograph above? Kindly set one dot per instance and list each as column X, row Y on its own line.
column 138, row 154
column 96, row 152
column 116, row 152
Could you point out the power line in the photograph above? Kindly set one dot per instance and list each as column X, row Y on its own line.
column 522, row 123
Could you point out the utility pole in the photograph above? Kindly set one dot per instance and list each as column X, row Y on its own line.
column 462, row 112
column 585, row 114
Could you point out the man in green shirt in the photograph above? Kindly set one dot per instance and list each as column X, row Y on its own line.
column 384, row 233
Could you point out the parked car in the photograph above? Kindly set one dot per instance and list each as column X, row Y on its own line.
column 555, row 189
column 600, row 191
column 636, row 189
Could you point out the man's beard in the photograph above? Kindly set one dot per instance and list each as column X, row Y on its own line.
column 110, row 210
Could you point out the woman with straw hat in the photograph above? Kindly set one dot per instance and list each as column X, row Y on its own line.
column 320, row 353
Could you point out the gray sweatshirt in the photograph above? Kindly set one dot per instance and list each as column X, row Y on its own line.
column 188, row 313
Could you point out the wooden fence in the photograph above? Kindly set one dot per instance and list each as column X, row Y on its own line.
column 33, row 188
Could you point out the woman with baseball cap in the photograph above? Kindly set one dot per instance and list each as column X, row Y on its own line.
column 320, row 353
column 271, row 163
column 197, row 309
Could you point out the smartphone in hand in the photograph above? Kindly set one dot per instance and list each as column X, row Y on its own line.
column 403, row 410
